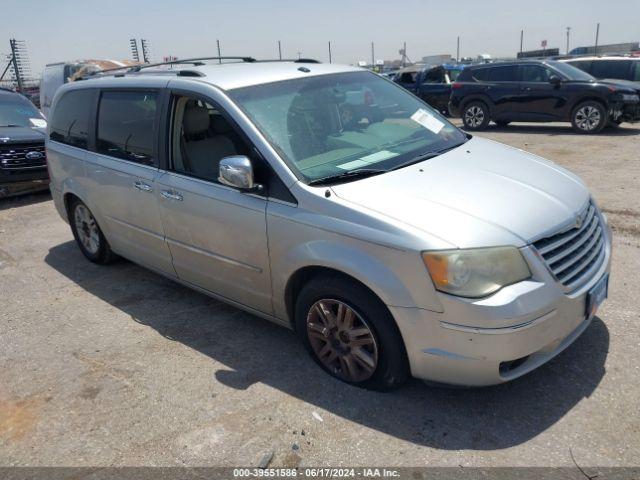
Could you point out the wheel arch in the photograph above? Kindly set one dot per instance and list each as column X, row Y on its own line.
column 304, row 275
column 588, row 98
column 476, row 97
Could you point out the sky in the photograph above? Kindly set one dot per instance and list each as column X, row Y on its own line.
column 62, row 30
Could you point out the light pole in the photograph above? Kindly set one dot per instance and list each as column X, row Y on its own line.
column 458, row 50
column 568, row 33
column 279, row 50
column 597, row 35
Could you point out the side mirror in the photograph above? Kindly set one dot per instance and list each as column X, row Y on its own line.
column 555, row 80
column 237, row 172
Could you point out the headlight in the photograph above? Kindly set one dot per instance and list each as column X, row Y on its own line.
column 627, row 97
column 475, row 272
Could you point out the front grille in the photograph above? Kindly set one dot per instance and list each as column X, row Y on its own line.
column 574, row 254
column 15, row 156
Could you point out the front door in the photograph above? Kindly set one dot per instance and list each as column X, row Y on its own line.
column 217, row 234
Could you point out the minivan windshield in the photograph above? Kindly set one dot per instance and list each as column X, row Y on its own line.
column 332, row 125
column 16, row 111
column 571, row 72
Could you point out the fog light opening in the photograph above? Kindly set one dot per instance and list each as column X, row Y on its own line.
column 511, row 365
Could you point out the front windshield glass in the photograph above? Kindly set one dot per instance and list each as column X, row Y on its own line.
column 16, row 111
column 572, row 73
column 334, row 124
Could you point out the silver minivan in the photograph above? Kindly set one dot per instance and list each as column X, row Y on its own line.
column 329, row 200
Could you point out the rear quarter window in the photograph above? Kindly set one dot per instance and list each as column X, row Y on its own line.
column 611, row 69
column 507, row 73
column 69, row 122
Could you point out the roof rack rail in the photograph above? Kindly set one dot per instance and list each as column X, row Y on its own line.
column 198, row 61
column 190, row 61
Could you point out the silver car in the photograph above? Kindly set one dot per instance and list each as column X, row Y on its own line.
column 393, row 243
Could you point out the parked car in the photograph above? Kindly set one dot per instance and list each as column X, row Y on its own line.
column 23, row 162
column 433, row 84
column 617, row 68
column 395, row 245
column 540, row 91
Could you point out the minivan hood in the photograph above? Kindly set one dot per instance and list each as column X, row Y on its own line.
column 480, row 194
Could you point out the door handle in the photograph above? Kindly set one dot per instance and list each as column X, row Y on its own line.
column 143, row 187
column 171, row 195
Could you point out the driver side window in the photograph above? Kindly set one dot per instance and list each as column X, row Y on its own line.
column 200, row 137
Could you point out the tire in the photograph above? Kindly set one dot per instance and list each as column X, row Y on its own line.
column 88, row 235
column 589, row 117
column 354, row 333
column 502, row 123
column 475, row 115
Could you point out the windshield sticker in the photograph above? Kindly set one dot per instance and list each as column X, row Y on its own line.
column 38, row 122
column 427, row 120
column 368, row 160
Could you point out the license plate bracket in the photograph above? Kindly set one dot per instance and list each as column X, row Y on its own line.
column 598, row 294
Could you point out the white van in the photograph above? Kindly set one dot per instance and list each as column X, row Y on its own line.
column 57, row 74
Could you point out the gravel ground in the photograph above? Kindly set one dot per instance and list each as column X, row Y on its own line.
column 103, row 366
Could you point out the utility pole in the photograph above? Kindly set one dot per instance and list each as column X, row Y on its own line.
column 404, row 54
column 521, row 39
column 299, row 55
column 373, row 61
column 597, row 35
column 329, row 52
column 568, row 33
column 279, row 50
column 458, row 50
column 218, row 44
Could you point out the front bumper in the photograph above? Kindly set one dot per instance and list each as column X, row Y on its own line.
column 625, row 112
column 19, row 182
column 500, row 338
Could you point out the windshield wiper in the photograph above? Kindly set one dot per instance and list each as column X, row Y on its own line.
column 350, row 175
column 426, row 156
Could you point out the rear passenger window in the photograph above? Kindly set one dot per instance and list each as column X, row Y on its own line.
column 504, row 74
column 534, row 73
column 611, row 69
column 126, row 125
column 70, row 120
column 481, row 75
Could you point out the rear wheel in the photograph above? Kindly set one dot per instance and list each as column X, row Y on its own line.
column 88, row 235
column 475, row 116
column 350, row 333
column 589, row 117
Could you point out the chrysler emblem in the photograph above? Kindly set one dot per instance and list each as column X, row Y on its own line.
column 33, row 155
column 579, row 220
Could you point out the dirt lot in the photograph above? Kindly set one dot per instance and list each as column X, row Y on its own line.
column 118, row 366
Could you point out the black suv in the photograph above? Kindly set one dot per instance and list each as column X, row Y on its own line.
column 540, row 91
column 23, row 161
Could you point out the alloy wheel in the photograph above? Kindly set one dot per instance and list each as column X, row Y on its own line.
column 588, row 118
column 342, row 340
column 474, row 116
column 87, row 229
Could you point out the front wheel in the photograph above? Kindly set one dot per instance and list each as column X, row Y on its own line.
column 350, row 333
column 475, row 116
column 589, row 117
column 88, row 235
